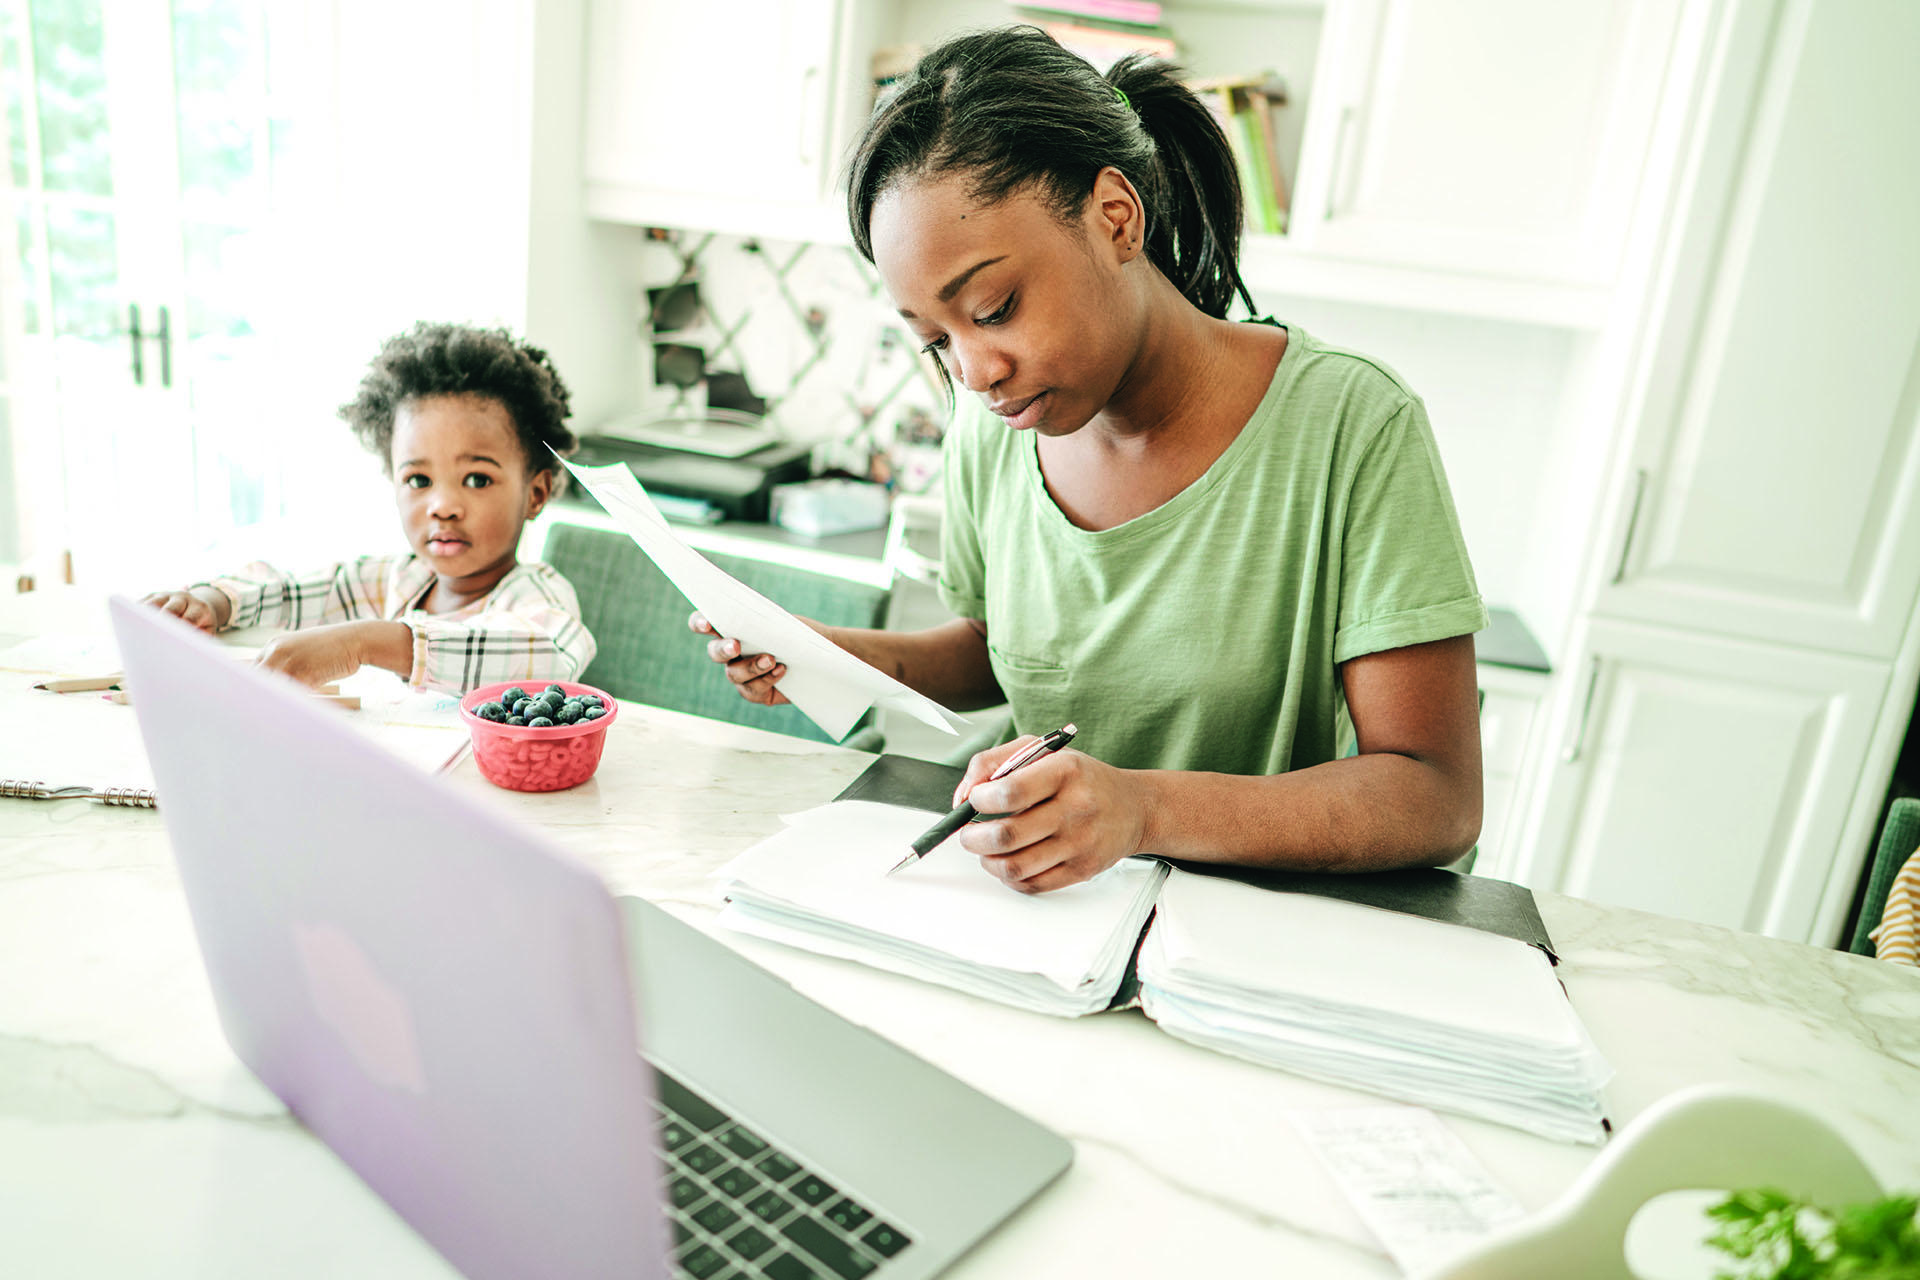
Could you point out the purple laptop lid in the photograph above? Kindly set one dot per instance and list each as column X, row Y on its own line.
column 436, row 995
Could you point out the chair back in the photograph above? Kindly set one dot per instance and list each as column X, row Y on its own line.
column 646, row 653
column 1899, row 837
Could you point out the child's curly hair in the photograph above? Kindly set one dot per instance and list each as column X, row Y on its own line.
column 456, row 359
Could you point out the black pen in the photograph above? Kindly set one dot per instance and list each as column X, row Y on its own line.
column 966, row 813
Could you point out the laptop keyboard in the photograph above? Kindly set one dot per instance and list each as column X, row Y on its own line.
column 742, row 1207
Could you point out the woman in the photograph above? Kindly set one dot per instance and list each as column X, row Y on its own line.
column 1217, row 547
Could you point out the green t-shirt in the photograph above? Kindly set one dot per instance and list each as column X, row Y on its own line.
column 1206, row 633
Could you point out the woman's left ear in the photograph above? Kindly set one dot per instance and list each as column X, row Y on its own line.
column 1122, row 216
column 539, row 489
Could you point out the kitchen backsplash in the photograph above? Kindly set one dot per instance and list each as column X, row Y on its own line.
column 801, row 333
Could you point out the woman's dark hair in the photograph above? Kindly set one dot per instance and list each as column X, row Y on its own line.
column 1011, row 109
column 455, row 359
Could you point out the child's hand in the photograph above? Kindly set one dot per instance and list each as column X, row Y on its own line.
column 754, row 674
column 204, row 608
column 316, row 656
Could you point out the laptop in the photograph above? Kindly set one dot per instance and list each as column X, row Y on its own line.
column 541, row 1079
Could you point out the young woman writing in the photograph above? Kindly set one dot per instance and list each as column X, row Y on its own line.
column 1217, row 547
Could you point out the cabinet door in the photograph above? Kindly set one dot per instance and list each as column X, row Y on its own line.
column 1775, row 486
column 1703, row 778
column 1508, row 701
column 1502, row 137
column 713, row 116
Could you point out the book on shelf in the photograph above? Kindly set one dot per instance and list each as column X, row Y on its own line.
column 1139, row 13
column 1104, row 46
column 1428, row 986
column 1245, row 107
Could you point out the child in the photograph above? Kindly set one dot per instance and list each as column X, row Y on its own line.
column 1206, row 543
column 465, row 421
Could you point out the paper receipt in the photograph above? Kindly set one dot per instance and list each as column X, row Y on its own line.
column 1418, row 1188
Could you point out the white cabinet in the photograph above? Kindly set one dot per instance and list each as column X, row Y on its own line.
column 1499, row 137
column 1705, row 778
column 723, row 118
column 1774, row 488
column 1728, row 763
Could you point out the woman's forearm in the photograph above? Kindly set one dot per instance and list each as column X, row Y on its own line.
column 1369, row 812
column 947, row 663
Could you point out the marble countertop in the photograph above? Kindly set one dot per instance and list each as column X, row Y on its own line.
column 132, row 1142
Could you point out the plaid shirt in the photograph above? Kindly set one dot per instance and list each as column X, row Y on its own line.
column 527, row 628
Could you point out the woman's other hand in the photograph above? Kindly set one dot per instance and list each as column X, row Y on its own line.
column 755, row 675
column 203, row 608
column 1064, row 818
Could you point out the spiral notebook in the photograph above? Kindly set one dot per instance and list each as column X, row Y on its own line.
column 1426, row 986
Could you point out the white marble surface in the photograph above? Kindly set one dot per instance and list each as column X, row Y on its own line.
column 133, row 1143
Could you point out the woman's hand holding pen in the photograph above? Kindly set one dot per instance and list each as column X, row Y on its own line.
column 1066, row 818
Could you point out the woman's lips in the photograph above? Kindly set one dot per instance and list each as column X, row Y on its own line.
column 1022, row 416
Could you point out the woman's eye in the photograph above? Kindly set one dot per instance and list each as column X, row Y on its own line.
column 475, row 480
column 1001, row 315
column 936, row 345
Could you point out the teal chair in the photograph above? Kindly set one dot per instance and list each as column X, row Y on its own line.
column 646, row 654
column 1899, row 837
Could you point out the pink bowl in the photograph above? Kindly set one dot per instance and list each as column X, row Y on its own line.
column 550, row 758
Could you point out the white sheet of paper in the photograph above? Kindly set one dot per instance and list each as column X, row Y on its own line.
column 829, row 685
column 832, row 862
column 1418, row 1188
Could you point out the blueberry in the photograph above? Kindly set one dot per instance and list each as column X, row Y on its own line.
column 593, row 700
column 520, row 720
column 593, row 713
column 554, row 688
column 490, row 711
column 513, row 695
column 569, row 713
column 539, row 722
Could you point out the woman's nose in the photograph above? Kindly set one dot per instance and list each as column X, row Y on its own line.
column 979, row 367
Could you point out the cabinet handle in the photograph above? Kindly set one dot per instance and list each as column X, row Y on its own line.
column 165, row 336
column 1574, row 748
column 136, row 342
column 807, row 80
column 1633, row 523
column 1339, row 158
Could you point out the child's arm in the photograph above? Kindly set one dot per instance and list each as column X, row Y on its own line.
column 261, row 595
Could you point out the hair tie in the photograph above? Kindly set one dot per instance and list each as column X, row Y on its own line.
column 1121, row 94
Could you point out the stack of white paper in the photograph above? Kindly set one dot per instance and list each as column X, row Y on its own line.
column 1449, row 1017
column 822, row 884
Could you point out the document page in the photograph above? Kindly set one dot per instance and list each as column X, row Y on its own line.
column 831, row 686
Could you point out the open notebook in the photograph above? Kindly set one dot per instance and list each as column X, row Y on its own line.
column 1425, row 986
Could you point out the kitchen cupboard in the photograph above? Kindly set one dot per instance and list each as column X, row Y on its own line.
column 723, row 117
column 1482, row 137
column 1727, row 764
column 1703, row 777
column 1421, row 179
